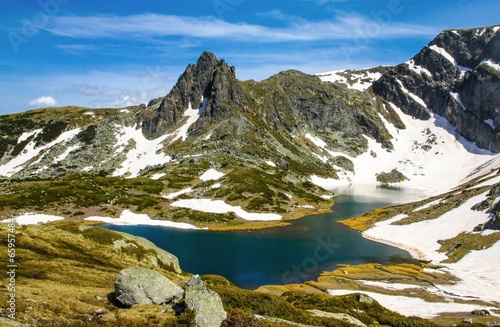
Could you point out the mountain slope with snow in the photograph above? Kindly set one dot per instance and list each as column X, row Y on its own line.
column 280, row 143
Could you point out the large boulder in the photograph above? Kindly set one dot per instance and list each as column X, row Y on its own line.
column 137, row 285
column 161, row 259
column 206, row 303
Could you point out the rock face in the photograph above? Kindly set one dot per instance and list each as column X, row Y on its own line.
column 208, row 80
column 162, row 258
column 138, row 285
column 207, row 304
column 456, row 76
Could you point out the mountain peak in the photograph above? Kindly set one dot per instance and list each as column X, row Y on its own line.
column 210, row 80
column 207, row 56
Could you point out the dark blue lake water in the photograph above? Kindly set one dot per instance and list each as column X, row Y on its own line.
column 291, row 254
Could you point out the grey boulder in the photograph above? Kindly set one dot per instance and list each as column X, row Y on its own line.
column 137, row 285
column 206, row 303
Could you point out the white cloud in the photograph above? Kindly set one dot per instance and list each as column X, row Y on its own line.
column 45, row 101
column 150, row 26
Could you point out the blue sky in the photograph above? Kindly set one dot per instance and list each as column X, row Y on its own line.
column 117, row 53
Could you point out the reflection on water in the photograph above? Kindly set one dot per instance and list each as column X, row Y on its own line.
column 291, row 254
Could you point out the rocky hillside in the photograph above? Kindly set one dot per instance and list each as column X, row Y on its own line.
column 219, row 151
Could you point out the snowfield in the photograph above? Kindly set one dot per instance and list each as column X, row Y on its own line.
column 421, row 238
column 145, row 152
column 127, row 217
column 32, row 219
column 419, row 153
column 412, row 306
column 219, row 206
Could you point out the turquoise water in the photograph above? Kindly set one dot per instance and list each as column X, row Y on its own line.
column 292, row 254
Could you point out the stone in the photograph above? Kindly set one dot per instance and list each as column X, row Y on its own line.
column 481, row 312
column 137, row 285
column 364, row 299
column 282, row 163
column 467, row 320
column 206, row 303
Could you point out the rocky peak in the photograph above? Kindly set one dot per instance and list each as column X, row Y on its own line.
column 210, row 83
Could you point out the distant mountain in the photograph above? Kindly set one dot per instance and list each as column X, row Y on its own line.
column 268, row 148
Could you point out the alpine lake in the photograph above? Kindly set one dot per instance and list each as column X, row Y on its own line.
column 284, row 255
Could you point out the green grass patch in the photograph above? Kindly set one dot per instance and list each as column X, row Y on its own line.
column 456, row 248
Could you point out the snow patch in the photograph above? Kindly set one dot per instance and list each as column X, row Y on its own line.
column 356, row 80
column 443, row 53
column 450, row 58
column 157, row 176
column 326, row 183
column 211, row 174
column 127, row 218
column 491, row 63
column 219, row 206
column 176, row 194
column 192, row 116
column 32, row 219
column 411, row 306
column 317, row 141
column 411, row 95
column 388, row 286
column 456, row 96
column 418, row 69
column 24, row 136
column 270, row 163
column 145, row 153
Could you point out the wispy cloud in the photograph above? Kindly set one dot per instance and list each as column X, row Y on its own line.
column 77, row 49
column 132, row 86
column 151, row 26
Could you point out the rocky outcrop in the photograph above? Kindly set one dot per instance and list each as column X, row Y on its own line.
column 161, row 259
column 456, row 76
column 209, row 85
column 138, row 285
column 206, row 303
column 394, row 176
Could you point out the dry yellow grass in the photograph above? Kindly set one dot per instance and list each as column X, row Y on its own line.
column 62, row 275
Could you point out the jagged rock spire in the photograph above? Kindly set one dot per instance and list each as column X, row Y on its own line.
column 209, row 78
